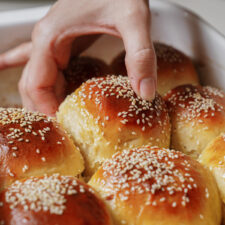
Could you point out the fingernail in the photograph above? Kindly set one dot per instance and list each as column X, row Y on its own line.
column 147, row 88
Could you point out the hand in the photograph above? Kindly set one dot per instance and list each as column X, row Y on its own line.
column 54, row 35
column 20, row 55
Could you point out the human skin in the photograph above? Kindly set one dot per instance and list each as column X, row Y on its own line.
column 58, row 35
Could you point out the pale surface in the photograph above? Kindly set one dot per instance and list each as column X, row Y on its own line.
column 211, row 10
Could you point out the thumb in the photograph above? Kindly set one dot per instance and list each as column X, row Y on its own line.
column 16, row 57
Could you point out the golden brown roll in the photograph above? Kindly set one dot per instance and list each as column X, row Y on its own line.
column 52, row 200
column 223, row 214
column 150, row 185
column 33, row 145
column 105, row 116
column 213, row 156
column 173, row 68
column 197, row 117
column 81, row 69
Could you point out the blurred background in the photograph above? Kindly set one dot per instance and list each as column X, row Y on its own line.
column 21, row 4
column 213, row 11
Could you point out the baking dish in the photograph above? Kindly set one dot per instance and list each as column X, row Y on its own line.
column 171, row 24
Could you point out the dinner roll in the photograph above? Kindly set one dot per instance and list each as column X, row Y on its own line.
column 81, row 69
column 151, row 185
column 197, row 116
column 223, row 214
column 173, row 68
column 213, row 156
column 52, row 200
column 105, row 116
column 33, row 145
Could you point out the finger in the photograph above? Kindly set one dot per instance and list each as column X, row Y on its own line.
column 16, row 57
column 60, row 87
column 41, row 76
column 140, row 56
column 26, row 101
column 75, row 47
column 51, row 50
column 71, row 43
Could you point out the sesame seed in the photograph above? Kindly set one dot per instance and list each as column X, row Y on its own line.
column 14, row 154
column 25, row 168
column 198, row 101
column 174, row 204
column 43, row 194
column 168, row 54
column 201, row 216
column 43, row 159
column 154, row 203
column 119, row 87
column 149, row 170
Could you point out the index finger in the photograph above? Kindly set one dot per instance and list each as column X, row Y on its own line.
column 140, row 55
column 38, row 82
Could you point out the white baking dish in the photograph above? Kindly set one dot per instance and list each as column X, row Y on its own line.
column 171, row 24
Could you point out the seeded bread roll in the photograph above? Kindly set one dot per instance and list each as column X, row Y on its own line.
column 150, row 185
column 33, row 145
column 105, row 116
column 52, row 200
column 213, row 156
column 197, row 117
column 81, row 69
column 223, row 214
column 173, row 68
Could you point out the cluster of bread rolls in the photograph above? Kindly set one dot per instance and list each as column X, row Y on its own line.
column 113, row 164
column 109, row 117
